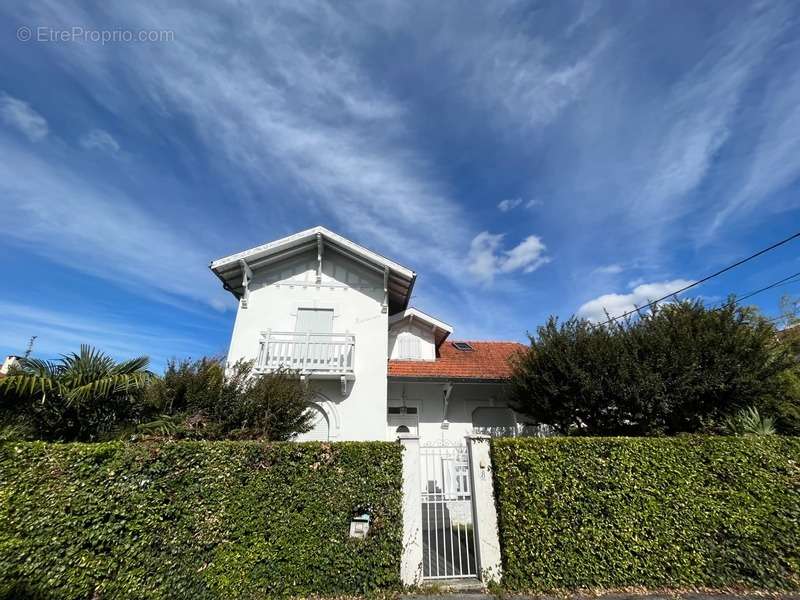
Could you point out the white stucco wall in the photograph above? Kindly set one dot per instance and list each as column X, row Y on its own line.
column 427, row 397
column 355, row 293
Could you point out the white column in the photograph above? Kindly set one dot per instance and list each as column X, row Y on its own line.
column 487, row 538
column 411, row 559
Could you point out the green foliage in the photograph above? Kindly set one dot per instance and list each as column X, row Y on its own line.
column 84, row 396
column 197, row 519
column 89, row 397
column 748, row 421
column 199, row 400
column 685, row 511
column 187, row 385
column 681, row 368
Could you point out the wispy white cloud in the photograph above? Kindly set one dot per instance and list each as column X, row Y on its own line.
column 613, row 269
column 99, row 139
column 528, row 81
column 487, row 259
column 281, row 109
column 56, row 213
column 697, row 118
column 64, row 331
column 775, row 161
column 617, row 304
column 20, row 115
column 509, row 204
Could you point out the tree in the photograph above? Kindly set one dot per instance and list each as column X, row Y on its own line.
column 80, row 397
column 199, row 399
column 680, row 368
column 273, row 406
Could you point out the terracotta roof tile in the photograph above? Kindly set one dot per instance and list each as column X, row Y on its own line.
column 488, row 360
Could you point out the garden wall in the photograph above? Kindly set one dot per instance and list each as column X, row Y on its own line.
column 654, row 512
column 197, row 519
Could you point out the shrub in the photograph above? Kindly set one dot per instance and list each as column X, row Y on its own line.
column 748, row 421
column 187, row 385
column 654, row 512
column 682, row 368
column 197, row 519
column 200, row 400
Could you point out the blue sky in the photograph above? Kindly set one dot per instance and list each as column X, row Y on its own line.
column 526, row 159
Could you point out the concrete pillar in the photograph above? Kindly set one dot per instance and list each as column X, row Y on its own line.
column 487, row 537
column 411, row 558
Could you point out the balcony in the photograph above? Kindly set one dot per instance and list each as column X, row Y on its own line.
column 314, row 355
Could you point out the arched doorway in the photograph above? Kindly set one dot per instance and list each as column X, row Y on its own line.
column 320, row 429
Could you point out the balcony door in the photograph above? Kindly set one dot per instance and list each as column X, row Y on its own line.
column 314, row 320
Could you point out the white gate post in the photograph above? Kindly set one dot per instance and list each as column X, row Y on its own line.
column 411, row 558
column 487, row 538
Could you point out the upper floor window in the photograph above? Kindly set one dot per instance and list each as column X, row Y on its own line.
column 408, row 346
column 314, row 320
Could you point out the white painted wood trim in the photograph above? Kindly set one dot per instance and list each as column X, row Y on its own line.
column 286, row 242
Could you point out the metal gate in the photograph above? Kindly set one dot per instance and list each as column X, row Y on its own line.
column 448, row 532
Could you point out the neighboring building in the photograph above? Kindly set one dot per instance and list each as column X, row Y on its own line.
column 9, row 362
column 338, row 314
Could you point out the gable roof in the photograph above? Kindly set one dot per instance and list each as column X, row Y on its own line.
column 229, row 269
column 488, row 361
column 440, row 329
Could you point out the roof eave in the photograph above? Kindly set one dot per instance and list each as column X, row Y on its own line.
column 228, row 268
column 446, row 379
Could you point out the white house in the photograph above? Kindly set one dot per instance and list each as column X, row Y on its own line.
column 8, row 363
column 339, row 315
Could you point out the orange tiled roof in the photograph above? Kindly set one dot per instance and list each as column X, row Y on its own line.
column 489, row 360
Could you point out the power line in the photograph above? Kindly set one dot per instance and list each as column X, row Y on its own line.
column 768, row 287
column 704, row 279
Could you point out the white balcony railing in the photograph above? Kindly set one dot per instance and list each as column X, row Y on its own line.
column 309, row 353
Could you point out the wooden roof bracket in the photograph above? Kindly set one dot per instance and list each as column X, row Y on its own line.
column 385, row 307
column 447, row 389
column 247, row 276
column 320, row 246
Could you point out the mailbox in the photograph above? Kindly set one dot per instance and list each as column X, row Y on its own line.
column 359, row 526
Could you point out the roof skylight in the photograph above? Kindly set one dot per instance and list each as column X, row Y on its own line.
column 463, row 346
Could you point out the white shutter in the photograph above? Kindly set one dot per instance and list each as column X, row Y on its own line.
column 409, row 345
column 314, row 320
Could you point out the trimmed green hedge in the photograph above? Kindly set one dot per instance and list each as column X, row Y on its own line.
column 197, row 519
column 653, row 512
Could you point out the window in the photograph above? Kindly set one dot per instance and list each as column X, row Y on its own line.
column 463, row 346
column 314, row 320
column 402, row 410
column 408, row 346
column 401, row 418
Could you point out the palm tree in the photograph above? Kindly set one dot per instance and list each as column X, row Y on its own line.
column 81, row 396
column 748, row 421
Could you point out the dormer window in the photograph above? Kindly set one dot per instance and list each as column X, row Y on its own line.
column 463, row 346
column 409, row 347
